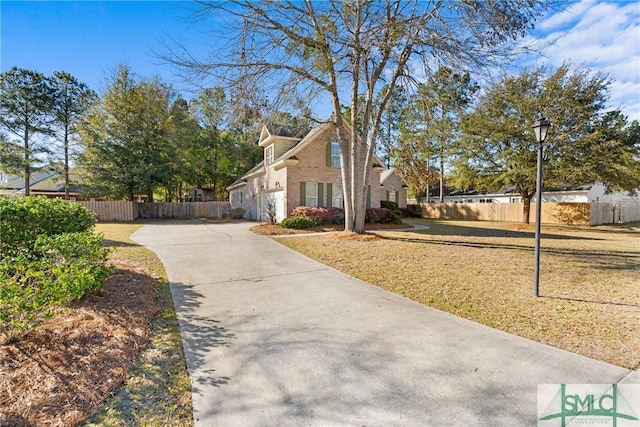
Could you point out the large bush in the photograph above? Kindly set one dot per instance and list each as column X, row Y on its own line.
column 392, row 206
column 411, row 211
column 46, row 266
column 297, row 223
column 320, row 215
column 23, row 219
column 378, row 215
column 237, row 213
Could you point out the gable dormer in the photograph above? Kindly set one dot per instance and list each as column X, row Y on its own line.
column 276, row 140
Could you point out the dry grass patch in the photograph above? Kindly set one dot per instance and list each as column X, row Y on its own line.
column 354, row 237
column 590, row 279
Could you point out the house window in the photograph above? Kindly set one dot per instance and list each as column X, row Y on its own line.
column 392, row 196
column 516, row 200
column 268, row 155
column 335, row 153
column 337, row 196
column 311, row 194
column 238, row 197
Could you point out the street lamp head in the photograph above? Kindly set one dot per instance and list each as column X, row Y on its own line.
column 541, row 128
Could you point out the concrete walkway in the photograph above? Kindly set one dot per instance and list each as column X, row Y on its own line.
column 273, row 338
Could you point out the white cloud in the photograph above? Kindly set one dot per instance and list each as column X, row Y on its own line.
column 600, row 35
column 566, row 17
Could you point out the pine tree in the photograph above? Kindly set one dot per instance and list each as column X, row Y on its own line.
column 26, row 103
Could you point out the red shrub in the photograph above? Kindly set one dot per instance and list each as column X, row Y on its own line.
column 320, row 215
column 381, row 215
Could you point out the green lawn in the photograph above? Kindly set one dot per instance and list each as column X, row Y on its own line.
column 589, row 279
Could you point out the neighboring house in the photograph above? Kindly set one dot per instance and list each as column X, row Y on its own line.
column 48, row 183
column 577, row 194
column 303, row 169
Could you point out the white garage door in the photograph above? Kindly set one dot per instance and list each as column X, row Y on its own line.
column 275, row 198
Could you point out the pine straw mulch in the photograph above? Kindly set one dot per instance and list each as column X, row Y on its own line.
column 60, row 372
column 265, row 229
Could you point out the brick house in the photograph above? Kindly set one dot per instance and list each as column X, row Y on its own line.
column 303, row 169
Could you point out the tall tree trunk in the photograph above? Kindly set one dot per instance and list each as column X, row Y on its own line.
column 66, row 162
column 441, row 176
column 27, row 163
column 360, row 184
column 526, row 208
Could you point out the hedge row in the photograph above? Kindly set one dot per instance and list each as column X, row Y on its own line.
column 309, row 216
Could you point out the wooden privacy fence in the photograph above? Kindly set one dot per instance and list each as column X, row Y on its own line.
column 185, row 210
column 112, row 210
column 618, row 212
column 552, row 213
column 129, row 211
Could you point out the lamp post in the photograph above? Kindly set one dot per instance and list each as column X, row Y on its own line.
column 541, row 129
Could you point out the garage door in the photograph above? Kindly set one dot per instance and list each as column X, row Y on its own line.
column 275, row 198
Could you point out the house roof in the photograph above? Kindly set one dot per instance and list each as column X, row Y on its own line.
column 272, row 132
column 243, row 179
column 295, row 149
column 238, row 183
column 434, row 190
column 284, row 131
column 386, row 174
column 289, row 154
column 42, row 181
column 18, row 183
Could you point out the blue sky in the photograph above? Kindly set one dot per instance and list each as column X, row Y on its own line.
column 89, row 39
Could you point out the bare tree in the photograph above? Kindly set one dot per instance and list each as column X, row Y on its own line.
column 354, row 50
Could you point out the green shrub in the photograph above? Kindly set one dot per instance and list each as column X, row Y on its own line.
column 396, row 217
column 33, row 288
column 412, row 211
column 23, row 219
column 387, row 204
column 49, row 258
column 237, row 213
column 297, row 222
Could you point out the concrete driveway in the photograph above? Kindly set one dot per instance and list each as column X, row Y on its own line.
column 273, row 338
